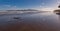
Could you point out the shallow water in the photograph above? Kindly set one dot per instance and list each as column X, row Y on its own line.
column 30, row 22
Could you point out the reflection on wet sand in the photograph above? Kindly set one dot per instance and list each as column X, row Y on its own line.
column 31, row 22
column 59, row 17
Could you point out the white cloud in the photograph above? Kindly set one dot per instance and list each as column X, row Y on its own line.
column 58, row 1
column 7, row 5
column 13, row 8
column 47, row 9
column 40, row 6
column 43, row 3
column 44, row 8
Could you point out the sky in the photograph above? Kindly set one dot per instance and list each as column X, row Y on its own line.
column 29, row 4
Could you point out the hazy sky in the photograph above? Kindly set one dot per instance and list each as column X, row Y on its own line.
column 28, row 4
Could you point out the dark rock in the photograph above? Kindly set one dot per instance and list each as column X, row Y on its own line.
column 16, row 17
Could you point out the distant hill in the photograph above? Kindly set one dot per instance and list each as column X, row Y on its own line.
column 23, row 10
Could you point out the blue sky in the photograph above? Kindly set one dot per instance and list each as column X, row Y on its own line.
column 27, row 4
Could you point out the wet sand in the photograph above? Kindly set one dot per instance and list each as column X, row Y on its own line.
column 30, row 22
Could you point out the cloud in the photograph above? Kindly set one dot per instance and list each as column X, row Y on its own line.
column 47, row 9
column 7, row 5
column 13, row 8
column 43, row 3
column 10, row 7
column 41, row 7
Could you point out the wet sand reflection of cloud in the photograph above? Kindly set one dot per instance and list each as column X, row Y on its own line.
column 58, row 15
column 31, row 22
